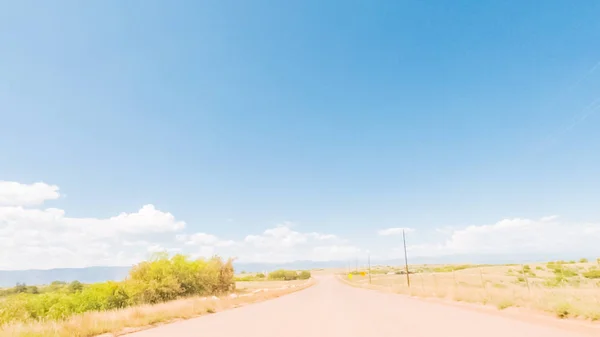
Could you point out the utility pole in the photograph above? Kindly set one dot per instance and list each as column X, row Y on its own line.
column 369, row 259
column 405, row 259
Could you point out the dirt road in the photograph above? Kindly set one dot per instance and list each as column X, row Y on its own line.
column 333, row 309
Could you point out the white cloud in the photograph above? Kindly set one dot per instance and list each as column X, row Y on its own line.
column 283, row 244
column 323, row 237
column 394, row 231
column 48, row 238
column 203, row 239
column 335, row 252
column 518, row 236
column 282, row 236
column 35, row 237
column 16, row 194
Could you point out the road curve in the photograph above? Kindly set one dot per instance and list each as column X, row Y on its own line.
column 333, row 309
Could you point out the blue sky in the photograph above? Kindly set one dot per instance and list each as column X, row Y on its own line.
column 321, row 116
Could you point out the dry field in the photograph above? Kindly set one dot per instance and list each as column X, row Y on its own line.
column 120, row 322
column 560, row 289
column 244, row 287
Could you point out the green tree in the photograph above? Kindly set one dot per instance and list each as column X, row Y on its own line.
column 20, row 288
column 75, row 286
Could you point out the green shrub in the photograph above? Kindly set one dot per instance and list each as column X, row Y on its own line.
column 505, row 304
column 277, row 275
column 32, row 290
column 557, row 281
column 592, row 274
column 288, row 275
column 566, row 272
column 563, row 310
column 583, row 260
column 75, row 286
column 250, row 278
column 158, row 280
column 304, row 275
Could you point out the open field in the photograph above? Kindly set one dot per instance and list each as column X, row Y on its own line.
column 560, row 288
column 123, row 321
column 244, row 287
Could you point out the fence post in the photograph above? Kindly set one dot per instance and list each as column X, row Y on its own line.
column 369, row 258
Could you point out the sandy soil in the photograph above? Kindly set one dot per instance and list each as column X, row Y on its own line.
column 333, row 309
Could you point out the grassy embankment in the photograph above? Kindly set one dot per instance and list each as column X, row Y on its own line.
column 564, row 288
column 161, row 290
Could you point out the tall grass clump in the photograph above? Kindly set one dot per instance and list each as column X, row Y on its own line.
column 161, row 279
column 592, row 274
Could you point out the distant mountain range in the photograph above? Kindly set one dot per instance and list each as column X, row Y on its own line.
column 9, row 278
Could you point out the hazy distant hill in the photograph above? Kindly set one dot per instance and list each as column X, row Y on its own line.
column 100, row 274
column 9, row 278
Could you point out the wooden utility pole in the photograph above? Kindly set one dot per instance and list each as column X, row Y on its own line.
column 406, row 259
column 369, row 259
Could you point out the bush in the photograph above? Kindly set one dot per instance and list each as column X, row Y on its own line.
column 583, row 260
column 164, row 279
column 553, row 282
column 288, row 275
column 563, row 310
column 75, row 286
column 32, row 290
column 158, row 280
column 249, row 278
column 592, row 274
column 565, row 272
column 304, row 275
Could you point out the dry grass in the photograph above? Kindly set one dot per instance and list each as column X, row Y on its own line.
column 120, row 322
column 501, row 286
column 253, row 285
